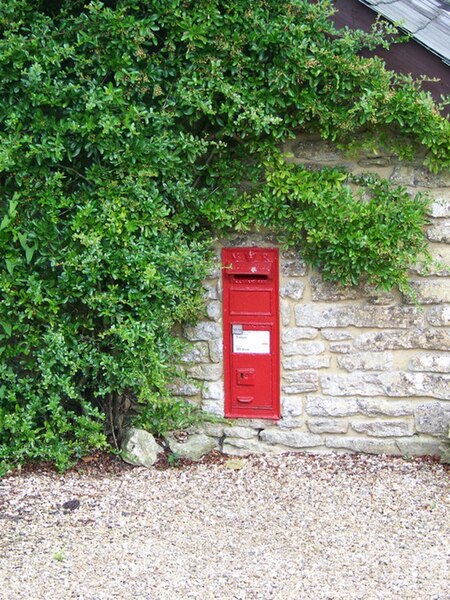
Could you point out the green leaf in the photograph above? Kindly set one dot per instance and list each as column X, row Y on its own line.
column 23, row 240
column 13, row 206
column 29, row 251
column 10, row 265
column 7, row 327
column 5, row 222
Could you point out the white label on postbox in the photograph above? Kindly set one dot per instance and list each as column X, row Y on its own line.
column 252, row 342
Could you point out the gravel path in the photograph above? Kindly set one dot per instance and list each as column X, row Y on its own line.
column 293, row 526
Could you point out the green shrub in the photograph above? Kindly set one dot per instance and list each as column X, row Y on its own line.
column 371, row 236
column 129, row 130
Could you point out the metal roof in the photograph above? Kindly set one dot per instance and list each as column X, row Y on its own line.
column 428, row 21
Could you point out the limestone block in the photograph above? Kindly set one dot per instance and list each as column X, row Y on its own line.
column 430, row 291
column 439, row 316
column 427, row 339
column 232, row 450
column 308, row 362
column 194, row 447
column 292, row 266
column 216, row 271
column 299, row 388
column 439, row 232
column 380, row 297
column 419, row 176
column 245, row 433
column 367, row 361
column 257, row 423
column 292, row 406
column 440, row 206
column 304, row 382
column 390, row 408
column 435, row 363
column 293, row 334
column 324, row 406
column 327, row 426
column 328, row 291
column 197, row 353
column 214, row 310
column 211, row 429
column 377, row 160
column 336, row 335
column 183, row 388
column 403, row 175
column 244, row 447
column 418, row 447
column 216, row 350
column 206, row 372
column 321, row 406
column 396, row 384
column 358, row 316
column 285, row 312
column 139, row 447
column 368, row 446
column 316, row 151
column 440, row 254
column 299, row 377
column 254, row 240
column 433, row 418
column 385, row 428
column 293, row 290
column 340, row 348
column 213, row 407
column 303, row 348
column 210, row 288
column 292, row 439
column 444, row 451
column 441, row 266
column 424, row 178
column 291, row 423
column 203, row 331
column 213, row 390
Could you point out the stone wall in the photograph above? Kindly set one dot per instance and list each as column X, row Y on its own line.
column 361, row 370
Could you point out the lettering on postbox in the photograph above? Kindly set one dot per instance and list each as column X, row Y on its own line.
column 251, row 332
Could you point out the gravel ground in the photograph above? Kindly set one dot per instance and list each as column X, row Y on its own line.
column 293, row 526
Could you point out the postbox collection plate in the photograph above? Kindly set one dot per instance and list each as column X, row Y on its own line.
column 251, row 332
column 251, row 342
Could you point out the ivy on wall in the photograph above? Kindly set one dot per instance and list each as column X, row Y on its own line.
column 132, row 132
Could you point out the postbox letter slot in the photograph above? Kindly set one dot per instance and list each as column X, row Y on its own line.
column 250, row 276
column 245, row 399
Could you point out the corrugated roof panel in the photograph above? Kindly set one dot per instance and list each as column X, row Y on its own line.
column 404, row 15
column 436, row 35
column 427, row 20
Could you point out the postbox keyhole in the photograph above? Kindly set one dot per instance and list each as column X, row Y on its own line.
column 245, row 377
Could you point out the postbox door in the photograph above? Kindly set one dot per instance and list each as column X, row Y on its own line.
column 252, row 381
column 251, row 332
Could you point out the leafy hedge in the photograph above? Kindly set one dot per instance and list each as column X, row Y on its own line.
column 132, row 133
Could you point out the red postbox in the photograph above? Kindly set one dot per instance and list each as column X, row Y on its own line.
column 251, row 332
